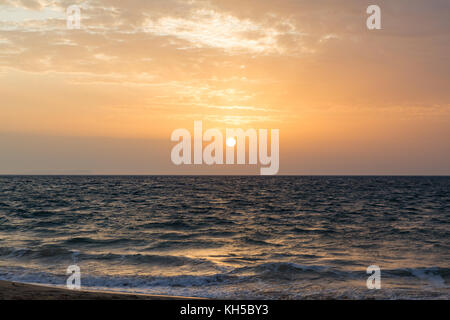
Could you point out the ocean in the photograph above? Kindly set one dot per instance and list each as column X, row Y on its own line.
column 230, row 237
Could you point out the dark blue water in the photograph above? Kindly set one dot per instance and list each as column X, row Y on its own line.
column 230, row 237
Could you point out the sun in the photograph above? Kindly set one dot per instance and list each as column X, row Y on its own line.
column 231, row 142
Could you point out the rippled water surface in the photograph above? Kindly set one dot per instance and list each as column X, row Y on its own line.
column 230, row 237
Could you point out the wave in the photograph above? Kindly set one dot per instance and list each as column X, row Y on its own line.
column 439, row 276
column 101, row 242
column 57, row 253
column 230, row 285
column 47, row 251
column 35, row 276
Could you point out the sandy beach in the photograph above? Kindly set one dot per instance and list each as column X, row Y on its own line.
column 22, row 291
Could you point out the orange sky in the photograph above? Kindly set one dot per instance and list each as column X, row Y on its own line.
column 105, row 98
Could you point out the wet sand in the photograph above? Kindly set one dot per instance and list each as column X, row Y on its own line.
column 22, row 291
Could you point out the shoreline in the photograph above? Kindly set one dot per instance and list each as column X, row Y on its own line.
column 10, row 290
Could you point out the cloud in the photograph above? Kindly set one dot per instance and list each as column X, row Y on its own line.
column 214, row 29
column 294, row 56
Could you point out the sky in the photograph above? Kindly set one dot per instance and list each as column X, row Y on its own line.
column 105, row 98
